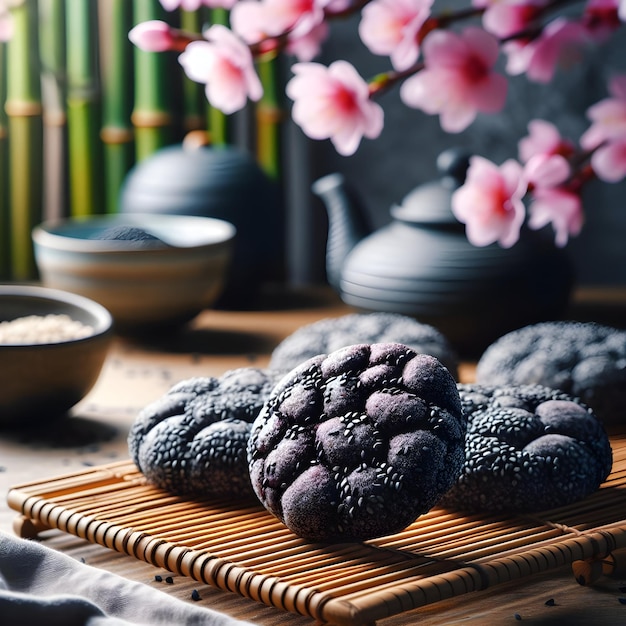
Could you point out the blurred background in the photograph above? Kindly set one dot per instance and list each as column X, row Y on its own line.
column 82, row 107
column 386, row 169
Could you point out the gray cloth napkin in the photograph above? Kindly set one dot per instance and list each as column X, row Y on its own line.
column 39, row 585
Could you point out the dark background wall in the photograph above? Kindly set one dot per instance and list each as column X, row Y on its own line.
column 384, row 170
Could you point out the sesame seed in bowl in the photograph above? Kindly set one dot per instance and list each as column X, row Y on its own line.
column 53, row 345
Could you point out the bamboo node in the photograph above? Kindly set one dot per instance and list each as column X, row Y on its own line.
column 116, row 135
column 23, row 108
column 151, row 119
column 270, row 115
column 54, row 118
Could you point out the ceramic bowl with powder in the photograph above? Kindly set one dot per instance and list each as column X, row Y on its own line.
column 52, row 348
column 152, row 272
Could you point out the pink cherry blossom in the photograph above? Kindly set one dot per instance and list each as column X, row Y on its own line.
column 6, row 21
column 490, row 203
column 250, row 20
column 333, row 103
column 608, row 117
column 391, row 27
column 296, row 16
column 504, row 19
column 226, row 65
column 194, row 5
column 458, row 80
column 307, row 46
column 153, row 36
column 545, row 153
column 300, row 21
column 560, row 207
column 601, row 19
column 558, row 44
column 543, row 138
column 609, row 161
column 547, row 170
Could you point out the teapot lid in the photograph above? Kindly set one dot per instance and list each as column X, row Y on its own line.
column 430, row 203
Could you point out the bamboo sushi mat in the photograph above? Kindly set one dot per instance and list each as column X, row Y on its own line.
column 246, row 551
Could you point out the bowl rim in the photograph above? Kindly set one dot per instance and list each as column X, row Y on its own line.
column 43, row 233
column 104, row 320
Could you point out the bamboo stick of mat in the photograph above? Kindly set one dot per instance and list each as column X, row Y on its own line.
column 365, row 592
column 74, row 480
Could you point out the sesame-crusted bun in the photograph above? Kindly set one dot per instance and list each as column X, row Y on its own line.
column 358, row 443
column 528, row 448
column 330, row 334
column 193, row 439
column 584, row 359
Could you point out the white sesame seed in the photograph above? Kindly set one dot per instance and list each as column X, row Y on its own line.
column 39, row 329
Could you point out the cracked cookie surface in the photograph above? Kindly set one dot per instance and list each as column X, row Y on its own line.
column 193, row 439
column 528, row 448
column 357, row 443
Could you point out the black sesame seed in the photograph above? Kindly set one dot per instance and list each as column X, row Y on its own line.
column 169, row 580
column 158, row 578
column 550, row 602
column 195, row 596
column 622, row 600
column 518, row 617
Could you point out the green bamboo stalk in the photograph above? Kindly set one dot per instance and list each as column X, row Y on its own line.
column 24, row 111
column 269, row 116
column 152, row 112
column 193, row 93
column 115, row 19
column 52, row 54
column 219, row 127
column 83, row 109
column 4, row 174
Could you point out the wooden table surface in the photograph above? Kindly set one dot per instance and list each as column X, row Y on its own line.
column 137, row 372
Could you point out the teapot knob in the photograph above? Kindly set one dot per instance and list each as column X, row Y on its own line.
column 453, row 164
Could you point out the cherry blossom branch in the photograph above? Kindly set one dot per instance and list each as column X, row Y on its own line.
column 440, row 70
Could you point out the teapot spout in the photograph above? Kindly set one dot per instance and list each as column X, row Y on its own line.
column 347, row 223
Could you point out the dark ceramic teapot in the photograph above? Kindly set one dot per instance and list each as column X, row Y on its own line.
column 421, row 264
column 224, row 182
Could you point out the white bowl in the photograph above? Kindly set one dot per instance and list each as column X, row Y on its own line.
column 148, row 284
column 44, row 379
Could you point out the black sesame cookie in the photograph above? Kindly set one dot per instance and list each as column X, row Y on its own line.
column 193, row 439
column 528, row 448
column 330, row 334
column 358, row 443
column 584, row 359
